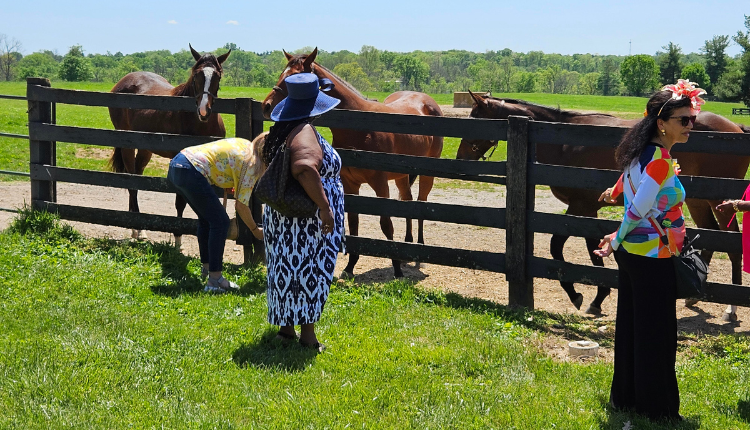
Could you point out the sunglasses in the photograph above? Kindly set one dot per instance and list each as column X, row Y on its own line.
column 685, row 120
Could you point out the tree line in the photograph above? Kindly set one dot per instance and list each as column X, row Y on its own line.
column 505, row 71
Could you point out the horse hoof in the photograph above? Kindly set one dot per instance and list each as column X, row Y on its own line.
column 594, row 310
column 729, row 317
column 578, row 301
column 134, row 234
column 691, row 302
column 417, row 265
column 346, row 275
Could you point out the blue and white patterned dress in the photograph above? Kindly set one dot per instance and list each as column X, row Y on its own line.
column 300, row 258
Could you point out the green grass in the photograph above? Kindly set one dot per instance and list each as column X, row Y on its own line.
column 107, row 334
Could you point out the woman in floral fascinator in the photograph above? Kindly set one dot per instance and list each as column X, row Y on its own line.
column 644, row 379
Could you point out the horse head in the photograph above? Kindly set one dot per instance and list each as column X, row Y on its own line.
column 203, row 83
column 295, row 64
column 483, row 106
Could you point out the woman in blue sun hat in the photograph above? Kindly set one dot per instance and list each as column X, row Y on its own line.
column 301, row 252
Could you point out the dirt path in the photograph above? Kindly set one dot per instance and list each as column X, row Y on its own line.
column 705, row 318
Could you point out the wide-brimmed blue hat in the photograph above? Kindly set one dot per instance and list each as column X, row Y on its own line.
column 305, row 98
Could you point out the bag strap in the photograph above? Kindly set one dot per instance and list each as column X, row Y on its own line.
column 657, row 227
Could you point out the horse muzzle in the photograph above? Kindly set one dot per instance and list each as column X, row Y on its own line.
column 204, row 118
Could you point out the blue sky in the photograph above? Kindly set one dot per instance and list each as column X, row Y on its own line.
column 565, row 27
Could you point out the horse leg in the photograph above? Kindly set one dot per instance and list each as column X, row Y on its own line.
column 404, row 194
column 179, row 204
column 140, row 162
column 425, row 186
column 556, row 245
column 353, row 218
column 595, row 307
column 380, row 185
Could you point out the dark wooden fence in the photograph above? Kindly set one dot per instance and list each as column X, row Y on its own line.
column 520, row 174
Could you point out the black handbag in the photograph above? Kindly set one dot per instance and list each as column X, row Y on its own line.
column 691, row 271
column 278, row 189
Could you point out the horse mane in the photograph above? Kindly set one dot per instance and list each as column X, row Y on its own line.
column 301, row 58
column 556, row 110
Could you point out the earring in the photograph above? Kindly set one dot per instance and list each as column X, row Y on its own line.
column 663, row 132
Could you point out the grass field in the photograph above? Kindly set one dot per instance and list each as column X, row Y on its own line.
column 105, row 334
column 14, row 152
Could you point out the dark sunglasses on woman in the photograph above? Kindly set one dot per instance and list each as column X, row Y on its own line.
column 685, row 119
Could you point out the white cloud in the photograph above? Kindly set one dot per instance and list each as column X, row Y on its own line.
column 233, row 22
column 171, row 21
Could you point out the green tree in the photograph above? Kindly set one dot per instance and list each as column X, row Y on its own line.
column 609, row 82
column 413, row 71
column 353, row 74
column 670, row 64
column 526, row 82
column 38, row 64
column 640, row 74
column 716, row 58
column 588, row 83
column 743, row 39
column 729, row 86
column 369, row 59
column 506, row 71
column 75, row 66
column 697, row 73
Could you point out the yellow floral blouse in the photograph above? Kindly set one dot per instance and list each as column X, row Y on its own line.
column 227, row 163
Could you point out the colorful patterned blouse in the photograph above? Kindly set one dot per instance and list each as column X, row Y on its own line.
column 223, row 163
column 659, row 194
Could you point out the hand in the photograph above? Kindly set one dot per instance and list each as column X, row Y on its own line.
column 726, row 207
column 258, row 233
column 607, row 196
column 326, row 221
column 606, row 247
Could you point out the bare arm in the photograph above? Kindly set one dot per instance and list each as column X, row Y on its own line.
column 247, row 216
column 730, row 205
column 307, row 157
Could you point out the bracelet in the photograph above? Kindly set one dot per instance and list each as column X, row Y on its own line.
column 253, row 229
column 734, row 205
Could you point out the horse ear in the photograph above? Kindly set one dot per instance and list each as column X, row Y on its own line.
column 222, row 58
column 310, row 59
column 287, row 55
column 195, row 53
column 481, row 102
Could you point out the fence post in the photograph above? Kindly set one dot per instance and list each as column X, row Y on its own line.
column 247, row 128
column 519, row 241
column 41, row 151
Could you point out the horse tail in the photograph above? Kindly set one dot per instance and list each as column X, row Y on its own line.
column 116, row 164
column 412, row 178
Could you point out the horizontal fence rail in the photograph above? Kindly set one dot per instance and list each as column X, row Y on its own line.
column 599, row 135
column 121, row 100
column 14, row 135
column 12, row 97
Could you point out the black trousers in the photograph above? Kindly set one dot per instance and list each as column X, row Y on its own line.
column 645, row 337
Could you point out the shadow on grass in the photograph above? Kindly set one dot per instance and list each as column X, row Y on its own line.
column 385, row 274
column 183, row 270
column 707, row 328
column 269, row 352
column 743, row 410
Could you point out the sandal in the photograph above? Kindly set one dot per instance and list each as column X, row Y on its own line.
column 220, row 286
column 317, row 346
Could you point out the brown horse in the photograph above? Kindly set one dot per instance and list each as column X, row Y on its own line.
column 203, row 84
column 583, row 202
column 402, row 102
